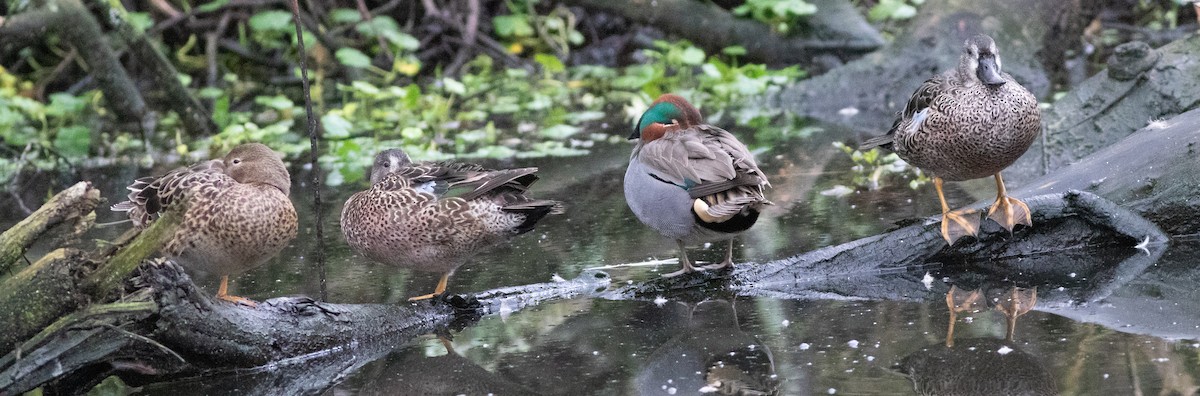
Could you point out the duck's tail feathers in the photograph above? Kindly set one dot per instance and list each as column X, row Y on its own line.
column 534, row 210
column 884, row 141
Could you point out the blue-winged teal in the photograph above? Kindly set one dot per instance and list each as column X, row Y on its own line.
column 690, row 181
column 236, row 212
column 968, row 123
column 435, row 216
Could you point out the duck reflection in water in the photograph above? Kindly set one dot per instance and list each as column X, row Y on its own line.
column 710, row 355
column 980, row 366
column 411, row 372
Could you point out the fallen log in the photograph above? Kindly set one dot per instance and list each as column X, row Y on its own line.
column 1142, row 86
column 837, row 27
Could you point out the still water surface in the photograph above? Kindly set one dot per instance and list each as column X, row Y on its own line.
column 739, row 345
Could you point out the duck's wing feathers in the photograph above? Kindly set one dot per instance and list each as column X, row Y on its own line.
column 150, row 196
column 466, row 181
column 704, row 160
column 920, row 100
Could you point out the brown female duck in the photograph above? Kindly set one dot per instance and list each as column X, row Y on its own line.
column 435, row 216
column 236, row 212
column 968, row 123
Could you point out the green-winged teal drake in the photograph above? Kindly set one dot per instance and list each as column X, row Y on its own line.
column 968, row 123
column 236, row 212
column 435, row 216
column 690, row 181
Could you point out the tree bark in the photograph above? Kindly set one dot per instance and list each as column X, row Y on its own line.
column 835, row 28
column 72, row 206
column 1140, row 85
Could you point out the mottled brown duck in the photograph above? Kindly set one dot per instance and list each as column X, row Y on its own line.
column 964, row 124
column 236, row 212
column 435, row 216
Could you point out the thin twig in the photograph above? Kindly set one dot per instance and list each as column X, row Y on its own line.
column 213, row 41
column 67, row 60
column 314, row 141
column 147, row 340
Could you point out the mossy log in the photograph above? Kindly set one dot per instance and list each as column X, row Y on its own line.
column 66, row 279
column 73, row 205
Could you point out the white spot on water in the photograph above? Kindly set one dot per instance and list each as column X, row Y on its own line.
column 804, row 346
column 927, row 280
column 853, row 344
column 660, row 301
column 1142, row 246
column 1004, row 350
column 837, row 191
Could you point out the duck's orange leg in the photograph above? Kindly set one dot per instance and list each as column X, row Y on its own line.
column 1008, row 211
column 957, row 223
column 441, row 288
column 223, row 294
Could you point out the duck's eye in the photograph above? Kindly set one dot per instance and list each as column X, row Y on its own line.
column 236, row 161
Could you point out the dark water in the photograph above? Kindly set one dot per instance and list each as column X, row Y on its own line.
column 741, row 344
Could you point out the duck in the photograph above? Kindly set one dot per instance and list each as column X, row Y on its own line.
column 968, row 123
column 435, row 216
column 690, row 181
column 236, row 210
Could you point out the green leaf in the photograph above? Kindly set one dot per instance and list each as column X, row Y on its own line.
column 904, row 12
column 512, row 26
column 352, row 57
column 212, row 6
column 635, row 77
column 692, row 56
column 73, row 141
column 735, row 50
column 345, row 15
column 140, row 21
column 272, row 21
column 454, row 86
column 364, row 87
column 65, row 105
column 550, row 62
column 560, row 131
column 277, row 102
column 411, row 133
column 336, row 126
